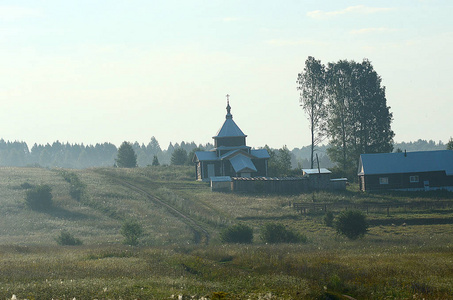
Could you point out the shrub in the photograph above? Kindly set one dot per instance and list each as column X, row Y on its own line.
column 39, row 197
column 277, row 233
column 328, row 219
column 67, row 239
column 239, row 233
column 77, row 188
column 26, row 186
column 352, row 224
column 131, row 231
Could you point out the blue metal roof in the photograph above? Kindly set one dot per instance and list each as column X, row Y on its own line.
column 242, row 163
column 260, row 153
column 316, row 171
column 410, row 162
column 229, row 129
column 206, row 155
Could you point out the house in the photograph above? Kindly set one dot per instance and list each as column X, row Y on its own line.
column 231, row 156
column 423, row 170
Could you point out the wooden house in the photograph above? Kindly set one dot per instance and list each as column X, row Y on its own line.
column 231, row 155
column 411, row 171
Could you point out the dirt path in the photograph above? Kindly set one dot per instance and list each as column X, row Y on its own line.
column 201, row 235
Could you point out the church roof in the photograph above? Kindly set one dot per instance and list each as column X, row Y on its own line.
column 229, row 127
column 206, row 155
column 260, row 153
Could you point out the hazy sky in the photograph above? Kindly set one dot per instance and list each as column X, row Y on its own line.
column 108, row 71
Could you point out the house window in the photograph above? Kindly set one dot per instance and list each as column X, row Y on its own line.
column 383, row 180
column 414, row 179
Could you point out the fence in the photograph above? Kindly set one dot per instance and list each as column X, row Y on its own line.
column 376, row 207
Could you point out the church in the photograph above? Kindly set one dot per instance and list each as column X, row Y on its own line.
column 231, row 156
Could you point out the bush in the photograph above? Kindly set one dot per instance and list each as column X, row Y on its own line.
column 67, row 239
column 77, row 188
column 39, row 197
column 328, row 219
column 26, row 186
column 352, row 224
column 131, row 231
column 239, row 233
column 277, row 233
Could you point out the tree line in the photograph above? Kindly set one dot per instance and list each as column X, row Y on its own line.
column 79, row 156
column 75, row 156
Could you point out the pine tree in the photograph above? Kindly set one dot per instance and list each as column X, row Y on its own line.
column 126, row 157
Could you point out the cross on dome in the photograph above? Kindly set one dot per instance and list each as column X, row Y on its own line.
column 228, row 108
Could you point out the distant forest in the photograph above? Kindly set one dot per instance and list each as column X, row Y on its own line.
column 65, row 155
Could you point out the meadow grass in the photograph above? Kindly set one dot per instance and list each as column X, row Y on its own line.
column 360, row 269
column 405, row 255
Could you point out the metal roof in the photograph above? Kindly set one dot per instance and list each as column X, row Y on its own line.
column 229, row 129
column 316, row 171
column 220, row 178
column 260, row 153
column 409, row 162
column 206, row 155
column 242, row 163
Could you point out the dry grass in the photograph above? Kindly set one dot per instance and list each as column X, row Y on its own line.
column 395, row 260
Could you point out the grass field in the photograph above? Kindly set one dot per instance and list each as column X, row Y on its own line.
column 407, row 255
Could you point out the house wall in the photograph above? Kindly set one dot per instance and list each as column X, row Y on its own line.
column 260, row 165
column 402, row 181
column 198, row 170
column 202, row 169
column 228, row 169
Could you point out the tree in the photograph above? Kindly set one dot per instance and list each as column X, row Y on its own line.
column 39, row 197
column 179, row 157
column 126, row 157
column 359, row 120
column 450, row 144
column 154, row 146
column 155, row 161
column 279, row 163
column 313, row 95
column 352, row 224
column 131, row 231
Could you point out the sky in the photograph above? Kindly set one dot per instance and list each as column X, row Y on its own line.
column 112, row 71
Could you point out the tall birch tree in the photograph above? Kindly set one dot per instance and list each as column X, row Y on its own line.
column 312, row 86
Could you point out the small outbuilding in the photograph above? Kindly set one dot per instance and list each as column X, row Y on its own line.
column 320, row 179
column 410, row 171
